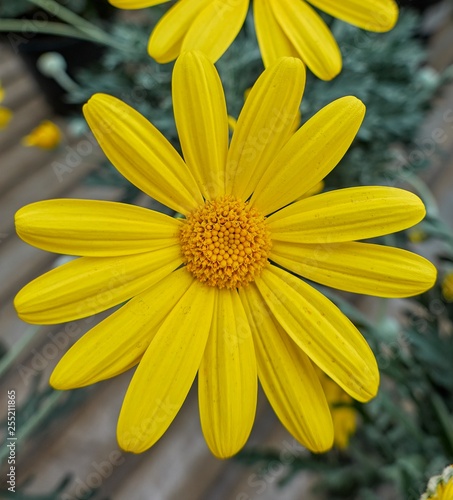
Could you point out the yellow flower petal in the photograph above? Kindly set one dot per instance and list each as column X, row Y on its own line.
column 358, row 267
column 264, row 125
column 322, row 331
column 227, row 380
column 47, row 135
column 288, row 377
column 141, row 153
column 310, row 37
column 215, row 28
column 118, row 342
column 201, row 120
column 136, row 4
column 95, row 228
column 347, row 215
column 316, row 189
column 166, row 371
column 166, row 39
column 371, row 15
column 311, row 153
column 89, row 285
column 272, row 40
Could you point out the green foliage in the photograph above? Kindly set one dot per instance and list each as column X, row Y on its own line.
column 385, row 70
column 19, row 8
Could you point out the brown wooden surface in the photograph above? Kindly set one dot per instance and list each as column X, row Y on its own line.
column 179, row 466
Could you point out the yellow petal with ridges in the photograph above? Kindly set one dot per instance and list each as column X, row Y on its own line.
column 227, row 379
column 136, row 4
column 347, row 215
column 202, row 121
column 358, row 267
column 264, row 125
column 141, row 153
column 311, row 153
column 272, row 40
column 89, row 285
column 166, row 371
column 310, row 36
column 119, row 341
column 95, row 228
column 322, row 331
column 167, row 37
column 316, row 189
column 216, row 27
column 369, row 15
column 288, row 377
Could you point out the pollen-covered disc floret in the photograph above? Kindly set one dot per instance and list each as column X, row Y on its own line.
column 225, row 243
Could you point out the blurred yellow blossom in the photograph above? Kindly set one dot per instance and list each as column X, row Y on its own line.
column 46, row 135
column 344, row 416
column 5, row 113
column 447, row 288
column 5, row 116
column 417, row 236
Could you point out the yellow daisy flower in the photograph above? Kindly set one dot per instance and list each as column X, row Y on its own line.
column 209, row 293
column 440, row 487
column 283, row 28
column 344, row 416
column 46, row 135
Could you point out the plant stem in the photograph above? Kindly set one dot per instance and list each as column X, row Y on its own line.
column 27, row 338
column 61, row 29
column 425, row 193
column 94, row 32
column 52, row 401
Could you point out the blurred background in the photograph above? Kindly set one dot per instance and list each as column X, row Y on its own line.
column 51, row 61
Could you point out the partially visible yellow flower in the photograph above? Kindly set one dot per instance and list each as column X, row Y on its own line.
column 5, row 117
column 283, row 28
column 447, row 287
column 344, row 416
column 215, row 292
column 5, row 113
column 46, row 135
column 440, row 487
column 417, row 236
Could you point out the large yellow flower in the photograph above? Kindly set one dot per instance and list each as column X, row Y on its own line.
column 209, row 292
column 283, row 28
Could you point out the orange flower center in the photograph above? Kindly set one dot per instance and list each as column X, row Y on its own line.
column 225, row 243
